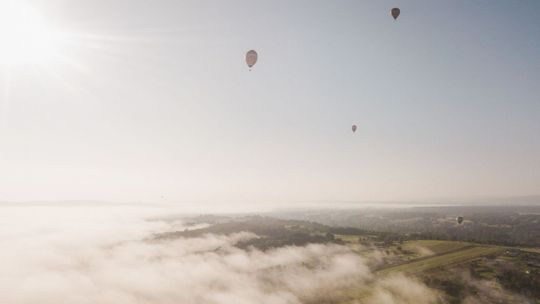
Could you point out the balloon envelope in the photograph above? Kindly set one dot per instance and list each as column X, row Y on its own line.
column 251, row 58
column 395, row 12
column 459, row 219
column 354, row 128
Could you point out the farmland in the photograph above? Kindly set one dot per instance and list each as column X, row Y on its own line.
column 442, row 260
column 457, row 270
column 435, row 246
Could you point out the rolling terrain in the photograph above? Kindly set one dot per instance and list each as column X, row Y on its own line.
column 457, row 270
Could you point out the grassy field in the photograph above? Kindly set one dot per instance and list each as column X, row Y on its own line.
column 441, row 260
column 443, row 254
column 436, row 247
column 348, row 238
column 534, row 250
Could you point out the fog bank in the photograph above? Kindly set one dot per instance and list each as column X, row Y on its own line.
column 106, row 255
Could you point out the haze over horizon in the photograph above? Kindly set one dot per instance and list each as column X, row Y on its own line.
column 138, row 101
column 269, row 152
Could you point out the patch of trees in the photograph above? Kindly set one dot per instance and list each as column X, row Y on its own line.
column 290, row 239
column 483, row 224
column 272, row 232
column 519, row 280
column 455, row 288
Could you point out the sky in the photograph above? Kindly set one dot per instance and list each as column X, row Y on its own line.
column 151, row 101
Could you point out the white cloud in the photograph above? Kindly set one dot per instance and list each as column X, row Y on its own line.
column 103, row 255
column 399, row 289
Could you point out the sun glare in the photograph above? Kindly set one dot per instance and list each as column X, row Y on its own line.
column 25, row 37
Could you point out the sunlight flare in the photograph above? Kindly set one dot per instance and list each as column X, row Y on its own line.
column 25, row 36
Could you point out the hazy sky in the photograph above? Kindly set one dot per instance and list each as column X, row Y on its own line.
column 152, row 101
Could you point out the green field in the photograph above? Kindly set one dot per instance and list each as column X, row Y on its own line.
column 441, row 254
column 534, row 250
column 437, row 247
column 348, row 238
column 441, row 260
column 444, row 255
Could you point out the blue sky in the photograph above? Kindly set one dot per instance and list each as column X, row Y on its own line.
column 152, row 101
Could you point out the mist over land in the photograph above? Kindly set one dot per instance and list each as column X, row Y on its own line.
column 269, row 152
column 121, row 253
column 109, row 255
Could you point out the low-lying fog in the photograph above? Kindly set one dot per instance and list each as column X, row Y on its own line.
column 107, row 255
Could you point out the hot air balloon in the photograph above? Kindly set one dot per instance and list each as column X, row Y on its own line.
column 251, row 58
column 395, row 12
column 354, row 128
column 459, row 219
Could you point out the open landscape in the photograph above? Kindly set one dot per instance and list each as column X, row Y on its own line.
column 485, row 271
column 269, row 152
column 155, row 254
